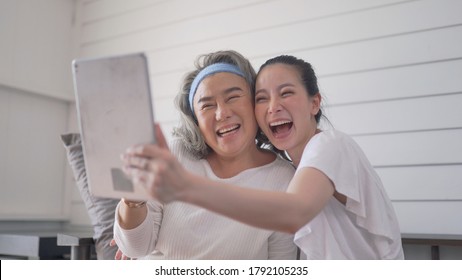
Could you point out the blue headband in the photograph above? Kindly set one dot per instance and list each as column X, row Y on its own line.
column 210, row 70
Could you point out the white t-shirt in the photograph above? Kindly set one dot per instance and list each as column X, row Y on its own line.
column 366, row 227
column 184, row 231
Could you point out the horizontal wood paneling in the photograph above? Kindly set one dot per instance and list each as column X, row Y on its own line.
column 395, row 83
column 413, row 148
column 433, row 112
column 318, row 32
column 429, row 217
column 385, row 52
column 169, row 36
column 152, row 15
column 363, row 25
column 443, row 182
column 167, row 84
column 99, row 10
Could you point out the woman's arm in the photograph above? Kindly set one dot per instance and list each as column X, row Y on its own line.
column 166, row 180
column 131, row 214
column 141, row 240
column 307, row 194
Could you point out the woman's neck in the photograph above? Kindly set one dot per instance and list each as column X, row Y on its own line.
column 227, row 167
column 296, row 153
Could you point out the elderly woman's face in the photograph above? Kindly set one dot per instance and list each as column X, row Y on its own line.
column 224, row 110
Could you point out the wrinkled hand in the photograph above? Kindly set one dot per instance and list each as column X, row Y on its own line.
column 154, row 168
column 119, row 255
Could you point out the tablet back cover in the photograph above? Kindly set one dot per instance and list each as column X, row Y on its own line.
column 115, row 112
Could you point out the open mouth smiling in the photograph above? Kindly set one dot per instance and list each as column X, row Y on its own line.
column 227, row 130
column 280, row 126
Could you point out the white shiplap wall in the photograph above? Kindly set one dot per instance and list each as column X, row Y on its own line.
column 389, row 70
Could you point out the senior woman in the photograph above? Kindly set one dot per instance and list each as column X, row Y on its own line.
column 216, row 138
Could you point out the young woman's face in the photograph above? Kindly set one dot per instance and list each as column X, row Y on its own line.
column 224, row 109
column 283, row 109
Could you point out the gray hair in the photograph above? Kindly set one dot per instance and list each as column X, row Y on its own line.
column 188, row 129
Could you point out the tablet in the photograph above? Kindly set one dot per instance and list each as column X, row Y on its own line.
column 115, row 112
